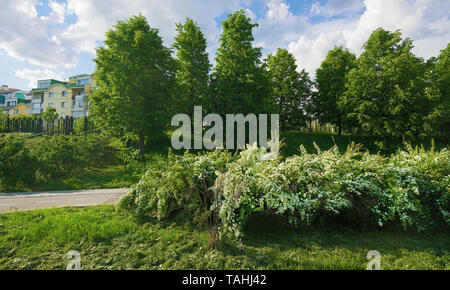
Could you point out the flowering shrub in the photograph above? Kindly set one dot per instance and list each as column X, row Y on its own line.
column 409, row 188
column 181, row 182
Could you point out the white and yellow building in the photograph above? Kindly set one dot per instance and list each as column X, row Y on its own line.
column 69, row 98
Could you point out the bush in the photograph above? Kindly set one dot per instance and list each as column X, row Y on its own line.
column 23, row 165
column 179, row 183
column 17, row 166
column 408, row 189
column 66, row 154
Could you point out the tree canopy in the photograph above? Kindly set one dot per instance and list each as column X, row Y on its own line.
column 387, row 91
column 331, row 78
column 193, row 66
column 290, row 89
column 242, row 83
column 135, row 75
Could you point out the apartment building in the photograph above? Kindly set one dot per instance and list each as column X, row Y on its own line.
column 70, row 98
column 16, row 103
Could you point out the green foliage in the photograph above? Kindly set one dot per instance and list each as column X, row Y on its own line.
column 193, row 66
column 408, row 189
column 440, row 77
column 66, row 155
column 135, row 79
column 331, row 78
column 290, row 89
column 50, row 115
column 388, row 92
column 179, row 183
column 17, row 165
column 242, row 83
column 24, row 165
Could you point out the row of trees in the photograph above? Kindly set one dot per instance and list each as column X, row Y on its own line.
column 387, row 92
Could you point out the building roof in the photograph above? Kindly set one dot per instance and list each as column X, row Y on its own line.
column 79, row 76
column 9, row 90
column 65, row 84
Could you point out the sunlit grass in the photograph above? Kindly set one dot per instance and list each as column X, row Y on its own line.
column 110, row 240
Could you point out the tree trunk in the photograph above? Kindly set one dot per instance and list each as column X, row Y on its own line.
column 339, row 127
column 141, row 145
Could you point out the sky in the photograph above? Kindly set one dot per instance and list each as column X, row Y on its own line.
column 42, row 39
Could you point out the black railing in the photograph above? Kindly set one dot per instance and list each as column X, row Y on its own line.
column 60, row 126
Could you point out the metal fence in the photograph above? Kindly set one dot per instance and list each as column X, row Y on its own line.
column 60, row 126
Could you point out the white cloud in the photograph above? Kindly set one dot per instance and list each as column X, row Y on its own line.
column 24, row 36
column 57, row 14
column 33, row 75
column 337, row 7
column 96, row 16
column 279, row 26
column 425, row 21
column 28, row 37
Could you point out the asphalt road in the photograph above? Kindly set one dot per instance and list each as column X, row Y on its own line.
column 36, row 200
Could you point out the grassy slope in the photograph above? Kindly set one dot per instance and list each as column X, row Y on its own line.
column 114, row 176
column 109, row 240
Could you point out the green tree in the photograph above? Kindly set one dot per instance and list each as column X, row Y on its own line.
column 387, row 92
column 331, row 78
column 288, row 91
column 193, row 66
column 242, row 82
column 50, row 115
column 135, row 75
column 440, row 76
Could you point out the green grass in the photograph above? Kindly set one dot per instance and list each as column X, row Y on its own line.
column 293, row 140
column 112, row 176
column 110, row 240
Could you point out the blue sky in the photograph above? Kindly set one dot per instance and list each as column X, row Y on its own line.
column 57, row 38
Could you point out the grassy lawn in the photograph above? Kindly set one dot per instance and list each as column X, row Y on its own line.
column 110, row 240
column 113, row 176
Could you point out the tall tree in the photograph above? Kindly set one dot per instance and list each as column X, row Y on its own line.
column 387, row 92
column 135, row 77
column 331, row 78
column 440, row 76
column 193, row 66
column 242, row 83
column 289, row 90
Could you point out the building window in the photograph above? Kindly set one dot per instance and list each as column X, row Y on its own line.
column 64, row 93
column 36, row 106
column 44, row 84
column 63, row 104
column 51, row 94
column 50, row 105
column 82, row 82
